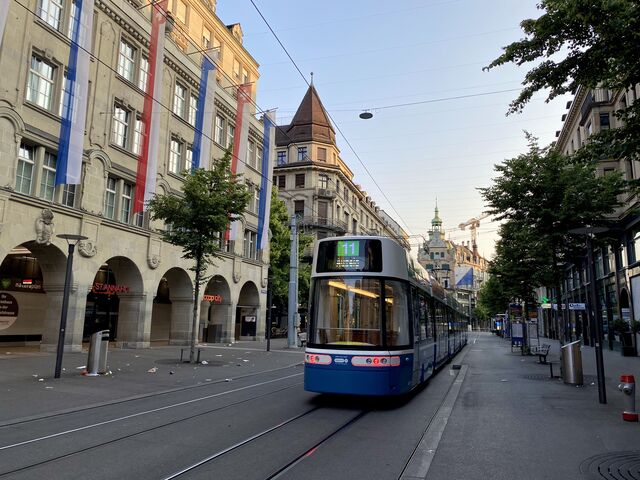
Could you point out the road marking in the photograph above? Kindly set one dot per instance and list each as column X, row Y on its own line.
column 133, row 415
column 420, row 461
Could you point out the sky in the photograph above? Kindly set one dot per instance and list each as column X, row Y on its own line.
column 378, row 55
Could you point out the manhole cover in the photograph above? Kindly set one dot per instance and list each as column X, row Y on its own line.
column 612, row 465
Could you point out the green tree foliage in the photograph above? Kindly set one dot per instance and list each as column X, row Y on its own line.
column 492, row 298
column 589, row 43
column 210, row 200
column 279, row 224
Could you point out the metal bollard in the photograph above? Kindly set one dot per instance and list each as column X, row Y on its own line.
column 628, row 388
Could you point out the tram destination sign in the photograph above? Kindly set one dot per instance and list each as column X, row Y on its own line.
column 350, row 255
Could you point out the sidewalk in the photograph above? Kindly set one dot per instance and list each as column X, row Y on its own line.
column 28, row 389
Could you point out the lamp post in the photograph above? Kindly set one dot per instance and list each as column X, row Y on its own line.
column 593, row 305
column 72, row 241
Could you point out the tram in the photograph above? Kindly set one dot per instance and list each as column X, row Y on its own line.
column 379, row 324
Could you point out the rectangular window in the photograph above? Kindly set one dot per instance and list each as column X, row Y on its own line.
column 69, row 195
column 259, row 159
column 110, row 198
column 193, row 110
column 206, row 38
column 40, row 86
column 245, row 76
column 175, row 156
column 302, row 154
column 605, row 122
column 48, row 180
column 249, row 249
column 256, row 199
column 179, row 98
column 282, row 158
column 127, row 196
column 282, row 182
column 138, row 135
column 231, row 131
column 300, row 180
column 25, row 169
column 298, row 208
column 251, row 154
column 323, row 181
column 63, row 89
column 188, row 161
column 50, row 11
column 219, row 131
column 72, row 19
column 236, row 69
column 181, row 11
column 120, row 126
column 126, row 60
column 143, row 74
column 322, row 154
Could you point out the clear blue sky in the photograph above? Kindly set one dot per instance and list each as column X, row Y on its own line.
column 367, row 54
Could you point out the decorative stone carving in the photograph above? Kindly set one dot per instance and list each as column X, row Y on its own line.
column 153, row 261
column 87, row 248
column 44, row 227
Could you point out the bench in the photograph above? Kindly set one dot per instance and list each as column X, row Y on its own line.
column 541, row 351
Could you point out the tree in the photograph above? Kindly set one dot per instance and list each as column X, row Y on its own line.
column 583, row 43
column 280, row 256
column 211, row 200
column 542, row 195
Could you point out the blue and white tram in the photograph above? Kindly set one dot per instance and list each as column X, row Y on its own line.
column 378, row 323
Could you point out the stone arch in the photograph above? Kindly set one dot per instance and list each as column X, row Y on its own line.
column 116, row 301
column 35, row 275
column 172, row 308
column 216, row 311
column 247, row 309
column 14, row 118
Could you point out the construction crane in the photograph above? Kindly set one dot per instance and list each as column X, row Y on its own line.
column 473, row 224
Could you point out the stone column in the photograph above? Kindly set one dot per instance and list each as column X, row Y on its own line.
column 75, row 318
column 181, row 320
column 131, row 321
column 228, row 322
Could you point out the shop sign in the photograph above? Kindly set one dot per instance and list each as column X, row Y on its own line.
column 577, row 306
column 8, row 310
column 212, row 298
column 108, row 289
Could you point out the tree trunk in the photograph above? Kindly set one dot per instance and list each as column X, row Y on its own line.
column 194, row 323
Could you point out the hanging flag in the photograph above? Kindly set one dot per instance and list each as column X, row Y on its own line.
column 240, row 139
column 264, row 209
column 4, row 13
column 148, row 159
column 204, row 114
column 75, row 94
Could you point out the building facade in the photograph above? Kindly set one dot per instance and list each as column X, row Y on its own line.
column 317, row 185
column 125, row 278
column 618, row 266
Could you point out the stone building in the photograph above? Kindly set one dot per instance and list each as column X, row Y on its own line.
column 317, row 185
column 617, row 268
column 125, row 278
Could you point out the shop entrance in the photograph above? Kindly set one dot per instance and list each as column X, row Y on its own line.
column 246, row 324
column 103, row 305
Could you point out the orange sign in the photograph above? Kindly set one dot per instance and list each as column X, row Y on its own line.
column 212, row 298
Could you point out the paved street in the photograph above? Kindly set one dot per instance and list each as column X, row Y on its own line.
column 504, row 419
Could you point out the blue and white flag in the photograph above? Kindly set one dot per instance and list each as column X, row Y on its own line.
column 74, row 103
column 4, row 13
column 204, row 113
column 464, row 276
column 264, row 208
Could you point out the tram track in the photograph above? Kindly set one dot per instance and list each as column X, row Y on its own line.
column 145, row 396
column 128, row 436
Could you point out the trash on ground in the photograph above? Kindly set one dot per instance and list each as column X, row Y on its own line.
column 152, row 370
column 171, row 372
column 204, row 362
column 49, row 388
column 41, row 379
column 81, row 368
column 227, row 379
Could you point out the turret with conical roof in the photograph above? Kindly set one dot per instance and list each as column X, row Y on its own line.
column 310, row 123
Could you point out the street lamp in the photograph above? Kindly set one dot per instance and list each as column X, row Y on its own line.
column 72, row 241
column 589, row 232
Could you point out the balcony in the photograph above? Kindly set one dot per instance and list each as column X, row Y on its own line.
column 595, row 97
column 325, row 193
column 315, row 221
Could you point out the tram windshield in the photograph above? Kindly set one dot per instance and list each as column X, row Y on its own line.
column 347, row 311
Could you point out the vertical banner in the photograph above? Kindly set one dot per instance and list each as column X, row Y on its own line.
column 4, row 13
column 264, row 209
column 75, row 95
column 240, row 139
column 204, row 114
column 148, row 160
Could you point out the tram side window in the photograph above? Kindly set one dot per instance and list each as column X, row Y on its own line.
column 425, row 321
column 441, row 321
column 416, row 297
column 396, row 303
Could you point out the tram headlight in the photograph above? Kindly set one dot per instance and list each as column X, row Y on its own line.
column 317, row 359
